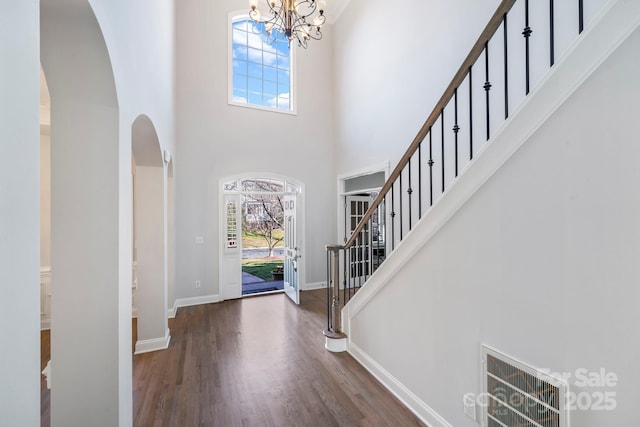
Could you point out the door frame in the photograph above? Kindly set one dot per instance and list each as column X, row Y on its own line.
column 228, row 269
column 341, row 193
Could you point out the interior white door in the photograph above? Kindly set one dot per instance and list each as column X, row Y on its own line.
column 359, row 254
column 231, row 268
column 291, row 248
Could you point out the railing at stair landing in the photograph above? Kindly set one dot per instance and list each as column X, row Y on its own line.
column 410, row 189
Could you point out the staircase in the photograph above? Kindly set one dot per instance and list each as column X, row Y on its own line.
column 446, row 144
column 480, row 133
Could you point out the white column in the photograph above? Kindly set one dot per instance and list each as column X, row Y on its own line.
column 84, row 255
column 19, row 213
column 150, row 209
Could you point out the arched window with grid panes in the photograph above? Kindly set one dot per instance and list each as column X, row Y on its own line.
column 260, row 67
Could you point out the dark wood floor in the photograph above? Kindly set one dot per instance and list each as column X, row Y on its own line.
column 256, row 362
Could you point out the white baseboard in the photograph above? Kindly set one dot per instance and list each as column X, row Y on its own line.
column 409, row 399
column 188, row 302
column 314, row 286
column 154, row 344
column 45, row 324
column 171, row 313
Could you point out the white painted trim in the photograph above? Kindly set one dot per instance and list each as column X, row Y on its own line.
column 171, row 313
column 154, row 344
column 45, row 271
column 616, row 22
column 362, row 191
column 367, row 170
column 340, row 185
column 423, row 411
column 189, row 302
column 45, row 324
column 313, row 286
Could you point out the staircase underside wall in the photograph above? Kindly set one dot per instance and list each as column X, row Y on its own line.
column 539, row 262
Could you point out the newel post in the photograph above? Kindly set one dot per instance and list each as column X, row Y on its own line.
column 335, row 341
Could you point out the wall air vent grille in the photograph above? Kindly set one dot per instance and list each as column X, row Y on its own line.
column 521, row 396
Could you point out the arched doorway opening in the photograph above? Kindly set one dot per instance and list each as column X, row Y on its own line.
column 150, row 270
column 90, row 315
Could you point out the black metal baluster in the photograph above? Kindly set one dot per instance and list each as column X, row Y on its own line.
column 369, row 258
column 552, row 48
column 420, row 180
column 442, row 145
column 359, row 253
column 527, row 34
column 346, row 267
column 430, row 167
column 354, row 272
column 349, row 274
column 456, row 128
column 345, row 220
column 346, row 282
column 487, row 87
column 400, row 203
column 580, row 16
column 378, row 229
column 506, row 67
column 410, row 192
column 393, row 221
column 470, row 114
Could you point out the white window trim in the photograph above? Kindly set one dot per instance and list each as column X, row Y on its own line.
column 293, row 93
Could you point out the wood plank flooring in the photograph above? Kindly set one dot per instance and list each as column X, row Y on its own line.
column 257, row 362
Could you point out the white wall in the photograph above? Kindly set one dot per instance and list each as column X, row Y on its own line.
column 139, row 38
column 151, row 295
column 218, row 140
column 19, row 216
column 391, row 66
column 540, row 263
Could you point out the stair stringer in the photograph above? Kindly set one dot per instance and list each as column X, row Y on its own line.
column 613, row 25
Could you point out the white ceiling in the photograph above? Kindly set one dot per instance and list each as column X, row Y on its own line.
column 334, row 9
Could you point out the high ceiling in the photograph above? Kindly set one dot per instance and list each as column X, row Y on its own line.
column 334, row 10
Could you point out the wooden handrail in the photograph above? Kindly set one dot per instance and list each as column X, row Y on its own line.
column 458, row 79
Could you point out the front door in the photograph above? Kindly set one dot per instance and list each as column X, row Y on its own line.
column 231, row 270
column 291, row 248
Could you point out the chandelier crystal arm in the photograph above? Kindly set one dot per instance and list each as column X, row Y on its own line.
column 301, row 20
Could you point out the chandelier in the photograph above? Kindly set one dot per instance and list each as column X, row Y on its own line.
column 292, row 18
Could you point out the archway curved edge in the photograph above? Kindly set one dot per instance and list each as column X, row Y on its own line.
column 89, row 221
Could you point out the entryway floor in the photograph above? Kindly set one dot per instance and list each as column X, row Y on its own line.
column 254, row 285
